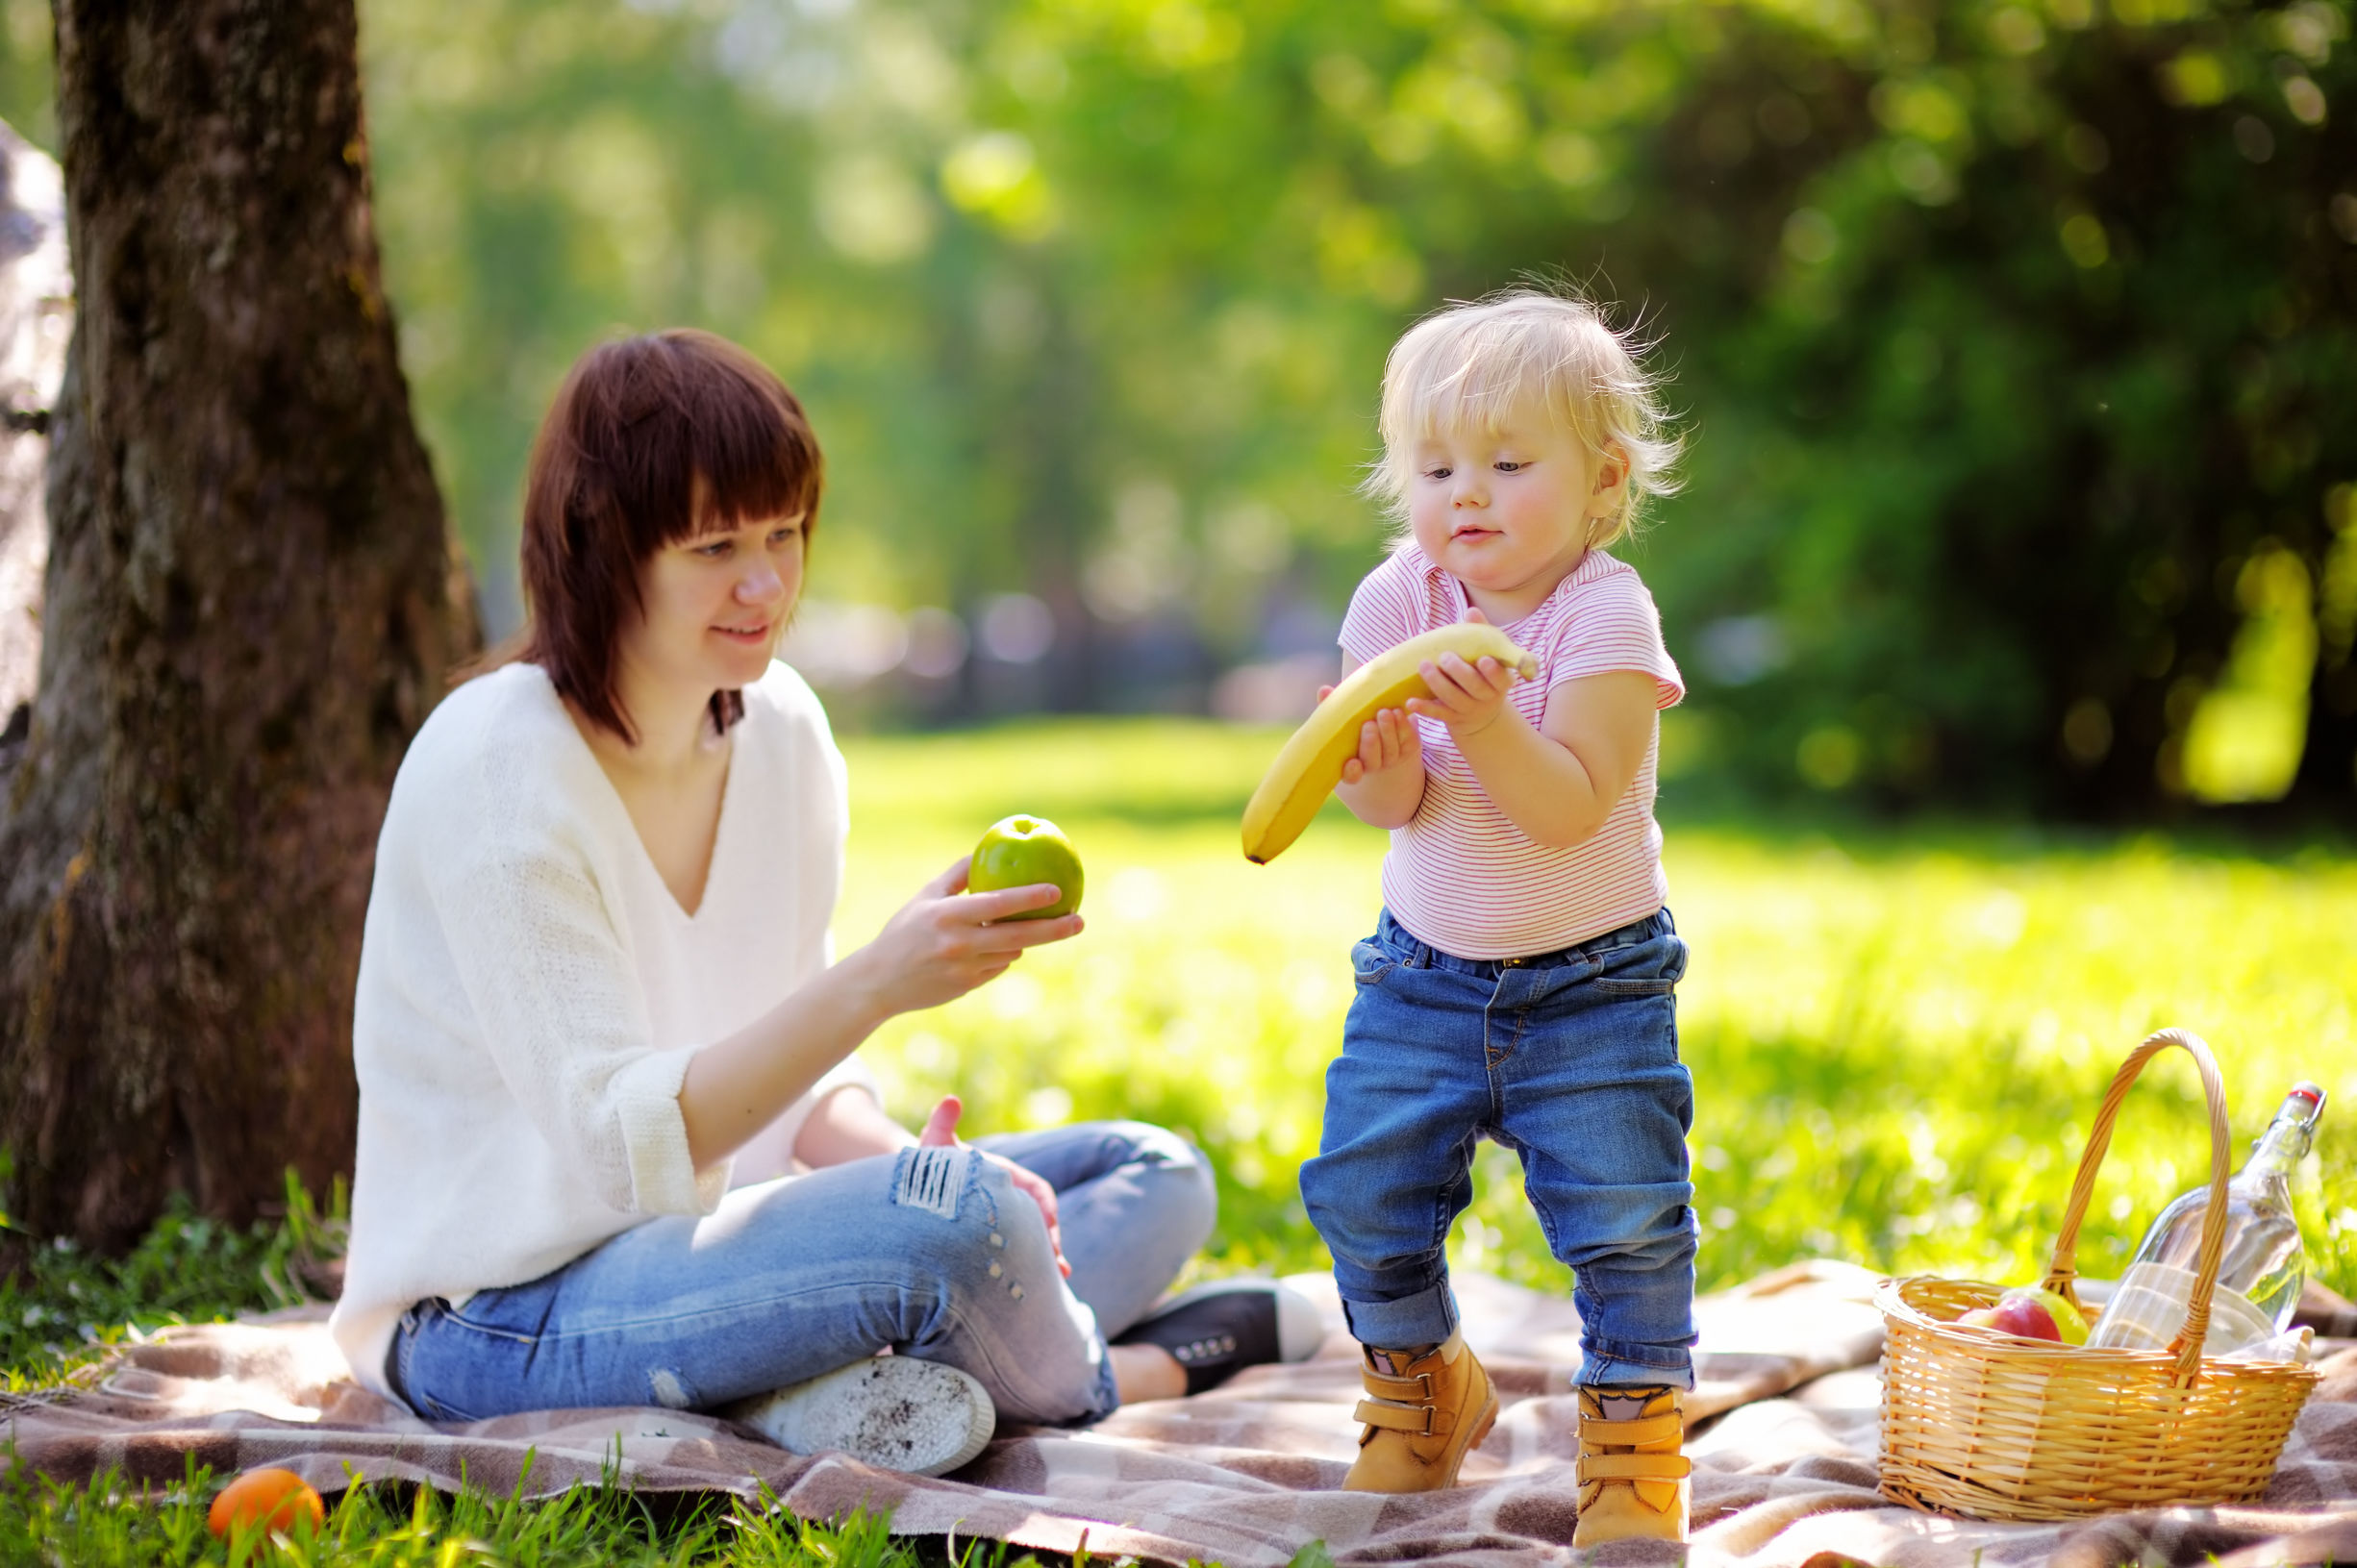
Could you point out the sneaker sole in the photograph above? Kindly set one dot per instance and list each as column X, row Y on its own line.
column 895, row 1413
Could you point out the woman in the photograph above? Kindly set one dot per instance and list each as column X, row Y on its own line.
column 596, row 981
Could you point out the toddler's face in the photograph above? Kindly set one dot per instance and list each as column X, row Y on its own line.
column 1507, row 509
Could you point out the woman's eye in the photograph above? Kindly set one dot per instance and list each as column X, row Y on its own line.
column 717, row 550
column 785, row 536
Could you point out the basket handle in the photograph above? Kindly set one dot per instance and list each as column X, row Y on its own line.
column 2062, row 1271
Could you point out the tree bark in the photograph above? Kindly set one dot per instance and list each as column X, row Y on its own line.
column 251, row 606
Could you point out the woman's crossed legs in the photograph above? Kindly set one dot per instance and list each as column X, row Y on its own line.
column 932, row 1252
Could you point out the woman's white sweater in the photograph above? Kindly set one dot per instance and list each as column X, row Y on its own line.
column 530, row 991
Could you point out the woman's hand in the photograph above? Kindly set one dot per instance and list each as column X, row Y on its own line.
column 942, row 1132
column 945, row 941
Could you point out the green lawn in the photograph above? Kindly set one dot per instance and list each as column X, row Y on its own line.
column 1899, row 1037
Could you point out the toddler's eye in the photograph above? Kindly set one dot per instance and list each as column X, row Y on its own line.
column 1511, row 467
column 1437, row 473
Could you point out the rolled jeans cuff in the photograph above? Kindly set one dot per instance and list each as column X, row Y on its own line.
column 1620, row 1363
column 1426, row 1318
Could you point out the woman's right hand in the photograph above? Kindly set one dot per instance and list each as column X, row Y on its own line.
column 945, row 941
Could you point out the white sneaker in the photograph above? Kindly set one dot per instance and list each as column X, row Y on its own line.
column 895, row 1413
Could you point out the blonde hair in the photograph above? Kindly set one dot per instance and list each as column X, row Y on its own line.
column 1472, row 363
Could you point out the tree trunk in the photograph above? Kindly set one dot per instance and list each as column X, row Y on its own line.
column 251, row 606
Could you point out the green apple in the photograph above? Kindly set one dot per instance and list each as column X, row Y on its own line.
column 1021, row 851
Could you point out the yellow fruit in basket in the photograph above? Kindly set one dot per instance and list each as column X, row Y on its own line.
column 2068, row 1321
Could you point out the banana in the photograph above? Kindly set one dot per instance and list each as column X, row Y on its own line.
column 1311, row 763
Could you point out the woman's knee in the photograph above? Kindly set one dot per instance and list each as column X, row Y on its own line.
column 1178, row 1179
column 971, row 1227
column 1000, row 1308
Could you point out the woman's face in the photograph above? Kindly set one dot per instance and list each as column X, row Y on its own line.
column 713, row 605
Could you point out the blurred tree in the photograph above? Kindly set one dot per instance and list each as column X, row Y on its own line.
column 249, row 610
column 2010, row 330
column 2020, row 419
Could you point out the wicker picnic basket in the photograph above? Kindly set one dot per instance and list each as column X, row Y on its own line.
column 1993, row 1426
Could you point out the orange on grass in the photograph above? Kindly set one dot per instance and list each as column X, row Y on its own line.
column 269, row 1499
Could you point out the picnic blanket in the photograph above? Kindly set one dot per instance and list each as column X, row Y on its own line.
column 1784, row 1418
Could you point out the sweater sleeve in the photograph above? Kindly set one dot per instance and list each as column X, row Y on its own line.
column 550, row 982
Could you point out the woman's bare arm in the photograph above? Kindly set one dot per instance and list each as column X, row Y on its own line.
column 848, row 1125
column 939, row 946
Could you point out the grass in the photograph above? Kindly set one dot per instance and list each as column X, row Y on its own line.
column 66, row 1307
column 1899, row 1037
column 108, row 1525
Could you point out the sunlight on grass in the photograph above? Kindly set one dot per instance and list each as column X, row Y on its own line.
column 114, row 1523
column 1898, row 1041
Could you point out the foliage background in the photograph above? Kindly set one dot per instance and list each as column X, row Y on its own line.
column 2010, row 336
column 2015, row 344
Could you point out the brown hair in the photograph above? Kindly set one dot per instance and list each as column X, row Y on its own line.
column 651, row 441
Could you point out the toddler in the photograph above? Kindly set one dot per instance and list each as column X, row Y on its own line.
column 1519, row 983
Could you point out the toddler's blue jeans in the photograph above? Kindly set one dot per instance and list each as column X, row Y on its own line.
column 1569, row 1058
column 933, row 1252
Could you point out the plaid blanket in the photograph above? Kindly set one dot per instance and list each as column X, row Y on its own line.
column 1784, row 1414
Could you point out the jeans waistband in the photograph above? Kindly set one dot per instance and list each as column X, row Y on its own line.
column 1424, row 955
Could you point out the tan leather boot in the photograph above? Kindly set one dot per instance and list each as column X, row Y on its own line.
column 1632, row 1466
column 1422, row 1420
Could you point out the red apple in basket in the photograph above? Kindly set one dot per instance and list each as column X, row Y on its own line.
column 2021, row 1313
column 2032, row 1314
column 2068, row 1321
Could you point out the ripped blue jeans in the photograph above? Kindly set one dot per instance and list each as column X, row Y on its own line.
column 931, row 1252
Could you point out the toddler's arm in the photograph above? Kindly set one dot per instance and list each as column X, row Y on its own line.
column 1384, row 785
column 1559, row 782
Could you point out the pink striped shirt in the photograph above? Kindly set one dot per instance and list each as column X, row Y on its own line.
column 1462, row 877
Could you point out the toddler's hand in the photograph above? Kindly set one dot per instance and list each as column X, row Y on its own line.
column 1466, row 697
column 1388, row 740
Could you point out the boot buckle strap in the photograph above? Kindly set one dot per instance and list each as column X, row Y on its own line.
column 1415, row 1419
column 1594, row 1467
column 1416, row 1390
column 1667, row 1427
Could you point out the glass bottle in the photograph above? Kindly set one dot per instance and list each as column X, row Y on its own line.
column 2260, row 1273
